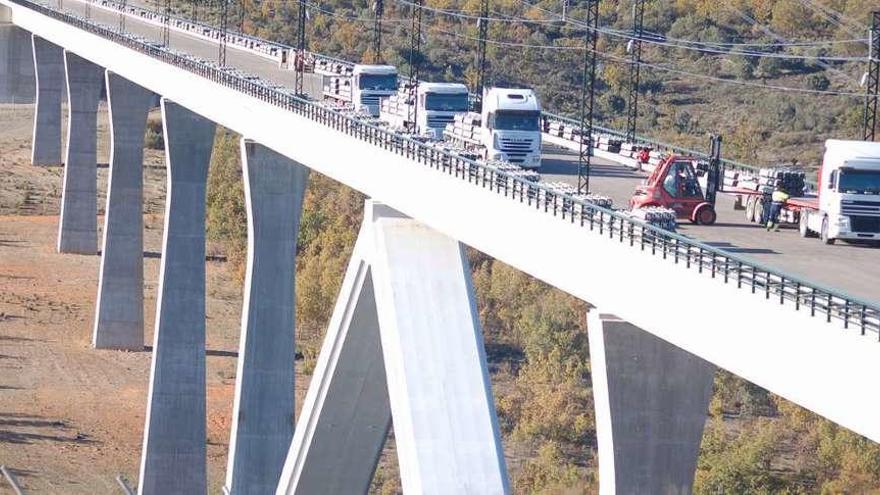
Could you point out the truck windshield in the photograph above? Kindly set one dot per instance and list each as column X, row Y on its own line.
column 386, row 82
column 859, row 181
column 515, row 120
column 446, row 102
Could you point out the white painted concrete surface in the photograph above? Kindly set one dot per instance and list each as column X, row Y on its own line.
column 345, row 417
column 174, row 451
column 78, row 222
column 119, row 311
column 430, row 342
column 651, row 400
column 263, row 411
column 49, row 70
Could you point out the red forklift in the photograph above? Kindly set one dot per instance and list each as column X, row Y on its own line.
column 675, row 184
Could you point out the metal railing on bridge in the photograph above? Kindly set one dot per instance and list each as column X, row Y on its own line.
column 774, row 285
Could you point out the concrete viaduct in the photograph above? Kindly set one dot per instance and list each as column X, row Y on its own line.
column 404, row 344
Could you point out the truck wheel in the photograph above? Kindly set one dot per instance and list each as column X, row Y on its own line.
column 705, row 215
column 803, row 225
column 759, row 211
column 825, row 238
column 750, row 209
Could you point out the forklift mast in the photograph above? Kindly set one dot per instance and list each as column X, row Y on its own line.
column 715, row 175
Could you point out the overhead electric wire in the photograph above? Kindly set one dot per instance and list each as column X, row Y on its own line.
column 658, row 67
column 628, row 36
column 678, row 41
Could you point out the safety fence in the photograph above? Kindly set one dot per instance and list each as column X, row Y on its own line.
column 775, row 285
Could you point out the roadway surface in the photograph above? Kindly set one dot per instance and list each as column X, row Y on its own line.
column 852, row 268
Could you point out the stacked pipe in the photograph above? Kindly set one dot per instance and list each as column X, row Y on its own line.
column 656, row 216
column 464, row 127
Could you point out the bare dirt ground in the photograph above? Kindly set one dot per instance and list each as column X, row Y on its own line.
column 71, row 417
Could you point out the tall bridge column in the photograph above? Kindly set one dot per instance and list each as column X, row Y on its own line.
column 651, row 402
column 263, row 412
column 405, row 330
column 174, row 452
column 78, row 225
column 49, row 71
column 119, row 315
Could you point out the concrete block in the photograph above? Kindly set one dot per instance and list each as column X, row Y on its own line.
column 17, row 83
column 119, row 315
column 49, row 70
column 651, row 402
column 5, row 14
column 78, row 224
column 264, row 400
column 174, row 451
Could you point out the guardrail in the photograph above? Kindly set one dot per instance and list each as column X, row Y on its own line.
column 774, row 284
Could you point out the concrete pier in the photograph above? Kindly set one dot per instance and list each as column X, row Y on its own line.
column 49, row 70
column 119, row 315
column 174, row 452
column 5, row 14
column 78, row 225
column 17, row 83
column 651, row 402
column 438, row 388
column 345, row 418
column 264, row 399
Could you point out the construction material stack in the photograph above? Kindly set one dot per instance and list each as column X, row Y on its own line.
column 657, row 216
column 465, row 128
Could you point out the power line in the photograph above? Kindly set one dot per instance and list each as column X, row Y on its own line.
column 659, row 67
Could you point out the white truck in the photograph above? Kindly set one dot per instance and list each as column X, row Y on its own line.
column 436, row 105
column 365, row 88
column 847, row 205
column 509, row 128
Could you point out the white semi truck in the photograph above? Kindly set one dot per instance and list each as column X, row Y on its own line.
column 847, row 206
column 365, row 88
column 435, row 106
column 508, row 129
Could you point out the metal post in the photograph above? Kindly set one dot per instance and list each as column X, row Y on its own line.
column 415, row 44
column 224, row 19
column 635, row 52
column 195, row 10
column 714, row 178
column 166, row 24
column 122, row 10
column 12, row 481
column 588, row 94
column 124, row 485
column 483, row 25
column 241, row 9
column 873, row 82
column 301, row 47
column 379, row 9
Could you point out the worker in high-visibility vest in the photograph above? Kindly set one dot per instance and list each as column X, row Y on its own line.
column 777, row 201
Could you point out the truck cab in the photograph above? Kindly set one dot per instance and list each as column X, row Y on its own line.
column 849, row 193
column 438, row 103
column 371, row 83
column 511, row 122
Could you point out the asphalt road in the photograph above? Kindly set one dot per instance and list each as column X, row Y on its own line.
column 852, row 268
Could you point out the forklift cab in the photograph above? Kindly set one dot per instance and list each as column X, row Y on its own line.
column 675, row 184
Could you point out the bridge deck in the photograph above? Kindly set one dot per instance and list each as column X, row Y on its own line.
column 852, row 268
